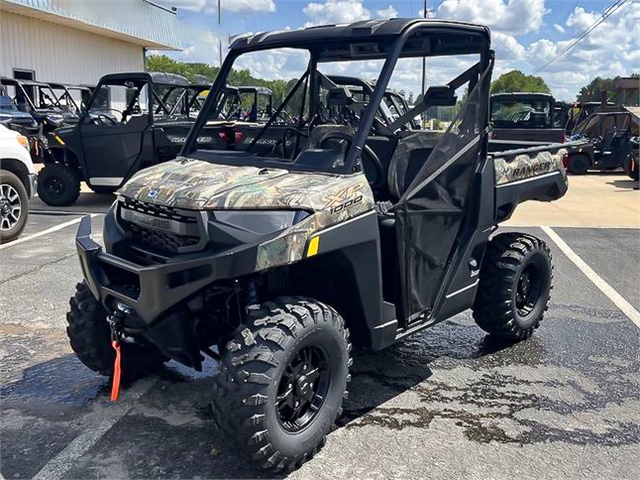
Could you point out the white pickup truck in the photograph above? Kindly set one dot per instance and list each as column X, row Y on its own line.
column 17, row 183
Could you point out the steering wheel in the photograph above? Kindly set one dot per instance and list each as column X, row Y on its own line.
column 366, row 149
column 282, row 143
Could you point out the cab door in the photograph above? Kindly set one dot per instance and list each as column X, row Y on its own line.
column 432, row 214
column 113, row 138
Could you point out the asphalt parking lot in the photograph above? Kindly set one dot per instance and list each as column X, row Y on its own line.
column 447, row 403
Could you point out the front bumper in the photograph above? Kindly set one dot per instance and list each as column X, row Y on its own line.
column 153, row 290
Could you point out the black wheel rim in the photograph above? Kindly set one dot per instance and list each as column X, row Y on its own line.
column 10, row 207
column 303, row 388
column 528, row 289
column 54, row 185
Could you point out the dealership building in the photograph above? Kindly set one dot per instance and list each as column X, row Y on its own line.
column 78, row 41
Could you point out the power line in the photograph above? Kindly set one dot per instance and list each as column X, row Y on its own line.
column 606, row 14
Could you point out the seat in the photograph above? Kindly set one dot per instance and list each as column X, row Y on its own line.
column 413, row 150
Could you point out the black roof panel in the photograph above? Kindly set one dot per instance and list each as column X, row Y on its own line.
column 161, row 78
column 368, row 30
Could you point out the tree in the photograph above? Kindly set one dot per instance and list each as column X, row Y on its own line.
column 516, row 81
column 592, row 92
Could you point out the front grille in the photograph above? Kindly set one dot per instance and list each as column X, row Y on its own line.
column 151, row 226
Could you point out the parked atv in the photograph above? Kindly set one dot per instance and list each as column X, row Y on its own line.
column 38, row 100
column 276, row 257
column 523, row 119
column 609, row 147
column 128, row 124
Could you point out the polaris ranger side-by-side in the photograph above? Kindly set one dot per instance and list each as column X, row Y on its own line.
column 523, row 119
column 274, row 258
column 129, row 123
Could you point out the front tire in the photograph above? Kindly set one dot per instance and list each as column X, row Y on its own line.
column 14, row 206
column 516, row 280
column 90, row 339
column 58, row 185
column 579, row 164
column 282, row 381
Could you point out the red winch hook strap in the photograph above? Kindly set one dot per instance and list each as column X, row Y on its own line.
column 115, row 387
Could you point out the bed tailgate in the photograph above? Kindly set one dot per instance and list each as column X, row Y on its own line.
column 536, row 173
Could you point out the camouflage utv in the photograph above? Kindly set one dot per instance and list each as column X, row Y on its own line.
column 278, row 249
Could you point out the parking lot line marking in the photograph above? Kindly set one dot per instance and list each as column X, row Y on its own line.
column 44, row 232
column 56, row 467
column 596, row 279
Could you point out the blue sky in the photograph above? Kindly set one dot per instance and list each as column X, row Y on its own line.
column 526, row 33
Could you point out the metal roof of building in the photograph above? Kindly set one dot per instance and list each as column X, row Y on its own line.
column 134, row 21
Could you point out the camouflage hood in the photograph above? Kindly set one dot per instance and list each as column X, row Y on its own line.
column 198, row 185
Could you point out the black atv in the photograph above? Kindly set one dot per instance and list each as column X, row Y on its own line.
column 131, row 121
column 609, row 146
column 38, row 100
column 276, row 258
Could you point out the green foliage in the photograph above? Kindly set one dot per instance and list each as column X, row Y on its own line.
column 592, row 92
column 516, row 81
column 280, row 88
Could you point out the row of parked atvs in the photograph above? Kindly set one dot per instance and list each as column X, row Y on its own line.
column 103, row 135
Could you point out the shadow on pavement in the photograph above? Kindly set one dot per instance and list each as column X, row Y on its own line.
column 627, row 184
column 168, row 432
column 88, row 202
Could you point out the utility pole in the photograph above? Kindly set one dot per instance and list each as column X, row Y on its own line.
column 424, row 58
column 424, row 68
column 220, row 39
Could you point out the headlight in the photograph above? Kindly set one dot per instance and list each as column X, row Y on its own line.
column 24, row 141
column 260, row 222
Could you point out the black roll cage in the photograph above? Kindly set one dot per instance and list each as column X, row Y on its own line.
column 139, row 80
column 353, row 157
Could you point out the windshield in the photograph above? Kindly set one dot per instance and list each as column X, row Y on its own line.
column 521, row 113
column 313, row 115
column 6, row 103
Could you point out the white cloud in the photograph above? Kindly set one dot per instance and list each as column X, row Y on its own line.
column 512, row 16
column 335, row 12
column 255, row 6
column 507, row 47
column 609, row 50
column 389, row 12
column 559, row 28
column 211, row 6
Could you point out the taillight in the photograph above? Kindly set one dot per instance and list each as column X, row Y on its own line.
column 223, row 136
column 494, row 135
column 238, row 136
column 565, row 161
column 563, row 137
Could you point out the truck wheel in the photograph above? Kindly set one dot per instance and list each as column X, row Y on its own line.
column 282, row 380
column 579, row 164
column 14, row 206
column 90, row 339
column 58, row 185
column 516, row 280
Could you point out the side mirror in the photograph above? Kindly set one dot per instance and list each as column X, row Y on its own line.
column 440, row 96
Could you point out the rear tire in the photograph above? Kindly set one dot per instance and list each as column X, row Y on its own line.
column 516, row 280
column 14, row 206
column 631, row 168
column 90, row 339
column 280, row 419
column 58, row 185
column 579, row 164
